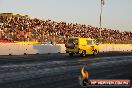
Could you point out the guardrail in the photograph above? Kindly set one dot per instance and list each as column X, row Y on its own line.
column 20, row 49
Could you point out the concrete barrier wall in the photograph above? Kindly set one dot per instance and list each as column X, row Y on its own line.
column 107, row 47
column 115, row 47
column 20, row 49
column 63, row 48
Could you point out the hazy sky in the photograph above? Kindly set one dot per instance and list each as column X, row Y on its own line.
column 117, row 14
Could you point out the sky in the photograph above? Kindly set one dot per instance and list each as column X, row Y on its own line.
column 117, row 14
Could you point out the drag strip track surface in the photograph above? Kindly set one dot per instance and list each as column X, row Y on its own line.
column 60, row 70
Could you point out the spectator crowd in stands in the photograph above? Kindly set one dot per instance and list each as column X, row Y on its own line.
column 26, row 29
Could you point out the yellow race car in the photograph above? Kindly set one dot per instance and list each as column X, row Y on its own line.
column 81, row 46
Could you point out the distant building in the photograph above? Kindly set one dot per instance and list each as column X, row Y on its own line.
column 12, row 14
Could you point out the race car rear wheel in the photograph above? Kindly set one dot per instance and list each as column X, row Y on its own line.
column 70, row 54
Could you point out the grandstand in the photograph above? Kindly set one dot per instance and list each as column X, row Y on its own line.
column 19, row 28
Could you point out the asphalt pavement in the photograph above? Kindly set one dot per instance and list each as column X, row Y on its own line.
column 61, row 70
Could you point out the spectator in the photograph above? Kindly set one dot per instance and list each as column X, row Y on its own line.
column 25, row 29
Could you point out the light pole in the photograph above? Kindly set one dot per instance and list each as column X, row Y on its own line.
column 101, row 9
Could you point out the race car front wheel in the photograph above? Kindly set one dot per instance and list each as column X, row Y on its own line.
column 95, row 52
column 83, row 54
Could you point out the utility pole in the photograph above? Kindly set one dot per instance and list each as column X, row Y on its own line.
column 101, row 10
